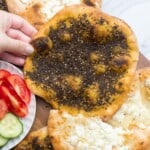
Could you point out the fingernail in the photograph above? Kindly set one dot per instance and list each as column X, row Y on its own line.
column 29, row 49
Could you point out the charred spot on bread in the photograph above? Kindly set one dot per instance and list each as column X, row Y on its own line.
column 45, row 143
column 36, row 140
column 3, row 5
column 83, row 48
column 88, row 2
column 92, row 2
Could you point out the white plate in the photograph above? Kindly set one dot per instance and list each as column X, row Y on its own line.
column 136, row 14
column 29, row 119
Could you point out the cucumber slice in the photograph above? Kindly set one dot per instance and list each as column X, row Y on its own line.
column 10, row 126
column 3, row 141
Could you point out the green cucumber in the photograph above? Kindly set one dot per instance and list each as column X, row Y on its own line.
column 3, row 141
column 10, row 126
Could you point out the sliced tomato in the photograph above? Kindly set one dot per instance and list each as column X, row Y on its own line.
column 15, row 104
column 4, row 73
column 3, row 108
column 20, row 87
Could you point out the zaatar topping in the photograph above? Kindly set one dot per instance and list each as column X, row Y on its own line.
column 79, row 51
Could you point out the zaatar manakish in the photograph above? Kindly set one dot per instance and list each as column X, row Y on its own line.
column 84, row 62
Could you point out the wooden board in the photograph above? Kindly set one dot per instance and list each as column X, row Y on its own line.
column 43, row 108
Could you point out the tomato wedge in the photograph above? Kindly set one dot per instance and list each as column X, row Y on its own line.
column 3, row 108
column 4, row 73
column 15, row 104
column 20, row 87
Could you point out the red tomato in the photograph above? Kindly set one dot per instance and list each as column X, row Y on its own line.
column 14, row 102
column 20, row 87
column 4, row 73
column 3, row 108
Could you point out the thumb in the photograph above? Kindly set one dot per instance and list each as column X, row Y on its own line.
column 14, row 46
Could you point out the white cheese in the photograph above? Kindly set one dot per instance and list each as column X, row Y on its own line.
column 147, row 82
column 92, row 133
column 133, row 111
column 25, row 1
column 51, row 7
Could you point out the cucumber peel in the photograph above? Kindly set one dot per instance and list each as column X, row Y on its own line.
column 3, row 141
column 10, row 126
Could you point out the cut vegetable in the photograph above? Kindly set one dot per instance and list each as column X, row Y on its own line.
column 4, row 73
column 3, row 108
column 3, row 141
column 15, row 104
column 10, row 126
column 20, row 87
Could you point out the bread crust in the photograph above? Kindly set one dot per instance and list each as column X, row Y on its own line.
column 134, row 113
column 127, row 60
column 144, row 79
column 63, row 128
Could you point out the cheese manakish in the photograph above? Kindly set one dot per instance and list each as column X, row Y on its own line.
column 128, row 129
column 68, row 132
column 84, row 61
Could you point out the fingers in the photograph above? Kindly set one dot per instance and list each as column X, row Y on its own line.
column 19, row 23
column 12, row 21
column 19, row 61
column 16, row 34
column 15, row 46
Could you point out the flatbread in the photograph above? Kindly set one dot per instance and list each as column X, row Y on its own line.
column 144, row 76
column 37, row 12
column 136, row 110
column 84, row 62
column 128, row 129
column 78, row 132
column 35, row 140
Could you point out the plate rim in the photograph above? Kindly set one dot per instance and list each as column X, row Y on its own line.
column 30, row 118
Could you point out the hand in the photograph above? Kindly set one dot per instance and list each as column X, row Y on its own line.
column 15, row 37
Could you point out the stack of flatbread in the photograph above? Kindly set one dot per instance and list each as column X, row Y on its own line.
column 84, row 66
column 128, row 129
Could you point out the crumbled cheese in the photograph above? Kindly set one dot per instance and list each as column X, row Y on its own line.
column 51, row 7
column 133, row 111
column 25, row 1
column 93, row 134
column 147, row 82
